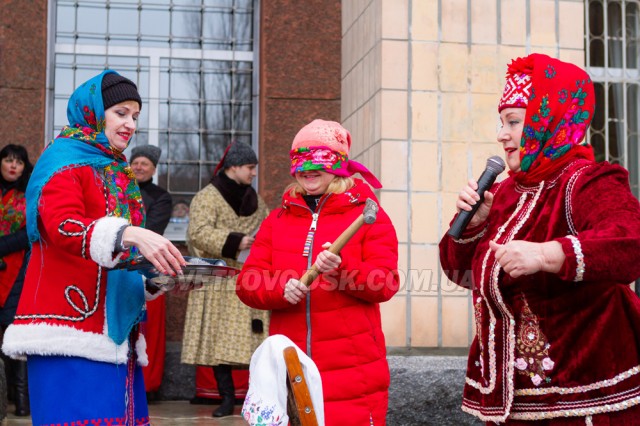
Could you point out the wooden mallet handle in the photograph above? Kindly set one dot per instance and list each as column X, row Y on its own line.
column 368, row 216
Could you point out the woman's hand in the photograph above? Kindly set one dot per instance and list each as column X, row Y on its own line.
column 247, row 242
column 327, row 261
column 519, row 258
column 154, row 247
column 295, row 291
column 468, row 197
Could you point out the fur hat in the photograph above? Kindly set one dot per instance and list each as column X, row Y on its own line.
column 151, row 152
column 116, row 89
column 236, row 154
column 239, row 154
column 323, row 133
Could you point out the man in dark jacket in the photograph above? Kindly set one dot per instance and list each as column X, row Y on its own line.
column 157, row 206
column 157, row 201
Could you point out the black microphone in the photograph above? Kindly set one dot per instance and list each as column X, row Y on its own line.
column 495, row 166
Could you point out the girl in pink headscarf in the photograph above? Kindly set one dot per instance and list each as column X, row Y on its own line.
column 336, row 321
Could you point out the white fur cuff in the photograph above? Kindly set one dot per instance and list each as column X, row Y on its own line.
column 103, row 240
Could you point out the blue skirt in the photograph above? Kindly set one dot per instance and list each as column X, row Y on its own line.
column 63, row 390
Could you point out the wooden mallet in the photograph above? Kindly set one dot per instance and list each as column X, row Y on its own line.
column 368, row 216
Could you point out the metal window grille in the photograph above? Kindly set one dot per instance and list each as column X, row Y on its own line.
column 193, row 62
column 613, row 61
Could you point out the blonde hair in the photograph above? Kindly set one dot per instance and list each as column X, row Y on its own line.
column 338, row 185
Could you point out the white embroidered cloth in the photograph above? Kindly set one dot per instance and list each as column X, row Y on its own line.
column 266, row 401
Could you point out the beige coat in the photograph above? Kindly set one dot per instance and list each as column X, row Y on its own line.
column 217, row 327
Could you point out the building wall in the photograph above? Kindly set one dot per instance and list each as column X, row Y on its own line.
column 23, row 65
column 299, row 80
column 415, row 81
column 420, row 84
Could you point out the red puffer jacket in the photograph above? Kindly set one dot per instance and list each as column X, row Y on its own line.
column 338, row 324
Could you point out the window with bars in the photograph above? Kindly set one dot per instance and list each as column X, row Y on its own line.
column 613, row 61
column 193, row 62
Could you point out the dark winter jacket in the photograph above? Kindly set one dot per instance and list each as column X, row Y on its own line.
column 157, row 206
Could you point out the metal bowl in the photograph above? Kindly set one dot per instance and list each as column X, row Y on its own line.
column 197, row 272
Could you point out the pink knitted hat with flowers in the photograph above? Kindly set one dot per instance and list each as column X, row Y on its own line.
column 325, row 145
column 323, row 133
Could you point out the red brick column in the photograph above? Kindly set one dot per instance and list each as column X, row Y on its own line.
column 300, row 51
column 23, row 61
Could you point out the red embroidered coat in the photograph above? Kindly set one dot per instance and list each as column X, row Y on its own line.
column 62, row 307
column 338, row 325
column 553, row 345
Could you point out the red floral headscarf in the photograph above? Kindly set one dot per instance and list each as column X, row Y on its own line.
column 558, row 115
column 325, row 145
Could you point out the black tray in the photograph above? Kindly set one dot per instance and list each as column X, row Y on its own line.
column 193, row 274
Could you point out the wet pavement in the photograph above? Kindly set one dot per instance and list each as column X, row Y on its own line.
column 166, row 413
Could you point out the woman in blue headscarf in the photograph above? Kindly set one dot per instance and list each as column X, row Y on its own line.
column 77, row 319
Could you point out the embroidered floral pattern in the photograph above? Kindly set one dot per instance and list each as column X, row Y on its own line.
column 550, row 71
column 122, row 192
column 580, row 268
column 12, row 212
column 532, row 348
column 582, row 389
column 317, row 158
column 567, row 91
column 124, row 198
column 477, row 312
column 258, row 413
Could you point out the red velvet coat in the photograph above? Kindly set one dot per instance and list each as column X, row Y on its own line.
column 554, row 345
column 62, row 307
column 338, row 325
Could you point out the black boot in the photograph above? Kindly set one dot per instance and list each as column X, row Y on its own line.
column 227, row 391
column 8, row 376
column 21, row 395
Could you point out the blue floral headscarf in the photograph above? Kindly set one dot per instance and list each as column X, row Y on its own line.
column 84, row 143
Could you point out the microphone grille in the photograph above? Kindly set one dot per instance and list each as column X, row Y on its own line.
column 496, row 164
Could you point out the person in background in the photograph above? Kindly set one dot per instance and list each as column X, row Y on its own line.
column 157, row 206
column 219, row 329
column 157, row 201
column 77, row 319
column 552, row 249
column 180, row 212
column 336, row 320
column 15, row 169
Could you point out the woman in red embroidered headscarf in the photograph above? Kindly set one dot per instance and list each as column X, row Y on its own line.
column 552, row 249
column 336, row 321
column 15, row 170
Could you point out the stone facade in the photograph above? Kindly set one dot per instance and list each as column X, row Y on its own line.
column 420, row 86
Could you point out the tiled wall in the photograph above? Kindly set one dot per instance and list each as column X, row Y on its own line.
column 420, row 85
